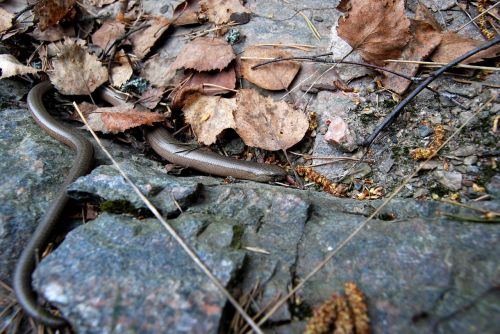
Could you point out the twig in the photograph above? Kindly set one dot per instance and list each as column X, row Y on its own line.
column 364, row 223
column 303, row 47
column 192, row 254
column 434, row 64
column 395, row 113
column 477, row 16
column 219, row 87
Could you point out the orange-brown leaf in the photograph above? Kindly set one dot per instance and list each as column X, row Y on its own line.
column 204, row 54
column 377, row 29
column 453, row 46
column 264, row 123
column 422, row 13
column 187, row 12
column 224, row 11
column 50, row 12
column 425, row 38
column 274, row 76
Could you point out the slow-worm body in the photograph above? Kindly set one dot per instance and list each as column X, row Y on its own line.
column 162, row 143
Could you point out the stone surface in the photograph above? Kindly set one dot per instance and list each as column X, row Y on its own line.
column 123, row 275
column 450, row 180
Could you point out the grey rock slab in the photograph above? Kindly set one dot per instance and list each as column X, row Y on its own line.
column 118, row 274
column 420, row 275
column 450, row 180
column 33, row 167
column 167, row 192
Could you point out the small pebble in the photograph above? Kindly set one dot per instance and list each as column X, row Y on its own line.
column 425, row 131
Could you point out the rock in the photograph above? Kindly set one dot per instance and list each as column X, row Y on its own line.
column 120, row 274
column 339, row 134
column 470, row 160
column 464, row 151
column 450, row 180
column 425, row 131
column 106, row 184
column 431, row 164
column 493, row 186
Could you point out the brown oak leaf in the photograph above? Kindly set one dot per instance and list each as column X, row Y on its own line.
column 209, row 116
column 50, row 12
column 10, row 66
column 264, row 123
column 117, row 119
column 144, row 39
column 151, row 97
column 377, row 29
column 108, row 33
column 224, row 11
column 158, row 71
column 274, row 76
column 204, row 54
column 76, row 72
column 453, row 46
column 425, row 38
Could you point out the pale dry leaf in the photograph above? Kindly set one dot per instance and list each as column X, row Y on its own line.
column 10, row 66
column 53, row 34
column 118, row 119
column 274, row 76
column 158, row 71
column 223, row 11
column 264, row 123
column 108, row 33
column 5, row 20
column 209, row 116
column 425, row 39
column 453, row 46
column 377, row 29
column 187, row 12
column 144, row 39
column 50, row 12
column 121, row 70
column 204, row 54
column 76, row 72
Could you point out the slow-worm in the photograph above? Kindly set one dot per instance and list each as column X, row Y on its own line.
column 162, row 143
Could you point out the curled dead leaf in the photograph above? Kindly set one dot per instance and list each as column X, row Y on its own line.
column 204, row 54
column 209, row 116
column 453, row 46
column 5, row 20
column 50, row 12
column 76, row 72
column 144, row 39
column 224, row 11
column 10, row 66
column 377, row 29
column 108, row 33
column 117, row 119
column 264, row 123
column 275, row 76
column 188, row 12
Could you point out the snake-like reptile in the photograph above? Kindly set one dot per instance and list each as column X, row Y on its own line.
column 162, row 143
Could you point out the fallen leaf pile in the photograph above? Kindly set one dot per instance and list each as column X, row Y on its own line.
column 380, row 30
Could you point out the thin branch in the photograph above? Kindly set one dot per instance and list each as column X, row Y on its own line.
column 434, row 64
column 477, row 16
column 395, row 113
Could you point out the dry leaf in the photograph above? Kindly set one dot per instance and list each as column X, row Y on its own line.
column 275, row 76
column 117, row 119
column 52, row 34
column 425, row 38
column 108, row 33
column 158, row 71
column 50, row 12
column 204, row 54
column 5, row 20
column 453, row 46
column 224, row 11
column 10, row 66
column 76, row 72
column 188, row 12
column 209, row 116
column 144, row 39
column 266, row 124
column 377, row 29
column 422, row 13
column 151, row 97
column 100, row 3
column 121, row 70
